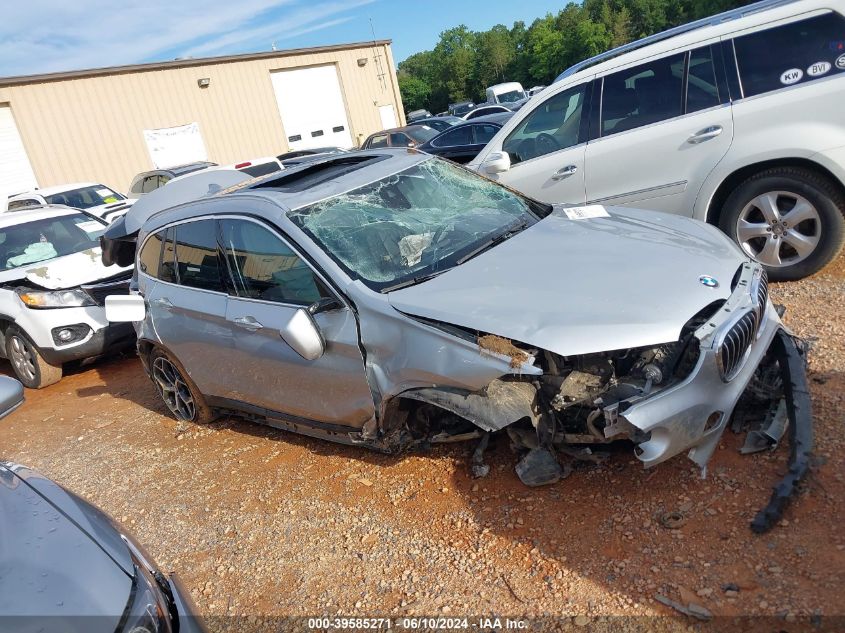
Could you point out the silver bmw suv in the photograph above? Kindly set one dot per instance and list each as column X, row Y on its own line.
column 390, row 299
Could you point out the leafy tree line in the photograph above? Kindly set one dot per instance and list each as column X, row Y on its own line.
column 464, row 62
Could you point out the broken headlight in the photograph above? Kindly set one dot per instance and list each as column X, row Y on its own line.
column 39, row 300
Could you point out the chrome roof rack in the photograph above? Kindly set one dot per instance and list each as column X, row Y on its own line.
column 713, row 20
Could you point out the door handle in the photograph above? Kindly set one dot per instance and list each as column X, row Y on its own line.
column 164, row 302
column 564, row 172
column 247, row 323
column 707, row 133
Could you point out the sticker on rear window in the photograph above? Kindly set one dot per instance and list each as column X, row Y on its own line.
column 791, row 76
column 585, row 213
column 818, row 69
column 104, row 192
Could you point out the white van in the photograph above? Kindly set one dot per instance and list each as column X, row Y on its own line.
column 509, row 92
column 736, row 119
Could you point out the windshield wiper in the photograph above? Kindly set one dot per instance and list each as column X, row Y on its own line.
column 413, row 281
column 514, row 228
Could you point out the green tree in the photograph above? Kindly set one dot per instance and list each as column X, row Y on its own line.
column 416, row 92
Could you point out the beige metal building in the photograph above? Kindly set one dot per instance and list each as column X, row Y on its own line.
column 106, row 125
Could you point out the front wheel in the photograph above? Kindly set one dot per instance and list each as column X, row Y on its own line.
column 28, row 364
column 789, row 219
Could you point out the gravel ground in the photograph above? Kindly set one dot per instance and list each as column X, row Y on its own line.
column 259, row 522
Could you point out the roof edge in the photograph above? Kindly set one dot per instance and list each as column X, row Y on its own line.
column 182, row 63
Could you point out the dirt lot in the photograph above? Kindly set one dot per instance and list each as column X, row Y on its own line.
column 261, row 522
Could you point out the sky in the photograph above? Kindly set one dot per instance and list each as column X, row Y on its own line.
column 39, row 36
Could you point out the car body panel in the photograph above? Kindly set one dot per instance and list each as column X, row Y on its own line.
column 524, row 291
column 59, row 557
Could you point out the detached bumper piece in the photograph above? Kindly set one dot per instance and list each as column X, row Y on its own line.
column 790, row 356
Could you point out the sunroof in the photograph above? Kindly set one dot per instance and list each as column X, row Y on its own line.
column 310, row 175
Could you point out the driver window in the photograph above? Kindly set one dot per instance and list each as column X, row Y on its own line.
column 552, row 126
column 263, row 267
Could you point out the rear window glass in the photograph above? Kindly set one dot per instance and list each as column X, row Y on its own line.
column 790, row 54
column 40, row 240
column 85, row 197
column 260, row 170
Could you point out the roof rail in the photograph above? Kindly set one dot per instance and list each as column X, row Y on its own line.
column 713, row 20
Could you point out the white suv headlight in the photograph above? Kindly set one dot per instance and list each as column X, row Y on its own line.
column 55, row 298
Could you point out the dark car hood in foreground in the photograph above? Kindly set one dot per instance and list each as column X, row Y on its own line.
column 59, row 558
column 588, row 285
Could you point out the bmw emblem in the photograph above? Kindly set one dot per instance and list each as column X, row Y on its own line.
column 707, row 280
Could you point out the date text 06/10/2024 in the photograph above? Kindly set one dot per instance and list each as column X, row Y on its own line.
column 417, row 623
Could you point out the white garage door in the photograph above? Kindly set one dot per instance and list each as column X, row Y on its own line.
column 16, row 173
column 311, row 107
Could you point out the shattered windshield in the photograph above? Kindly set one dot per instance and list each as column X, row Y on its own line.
column 414, row 223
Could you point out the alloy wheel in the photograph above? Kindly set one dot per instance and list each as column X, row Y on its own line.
column 779, row 228
column 22, row 357
column 173, row 389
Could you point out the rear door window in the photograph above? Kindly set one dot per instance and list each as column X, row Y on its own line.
column 459, row 136
column 790, row 54
column 643, row 95
column 262, row 266
column 397, row 139
column 150, row 256
column 197, row 260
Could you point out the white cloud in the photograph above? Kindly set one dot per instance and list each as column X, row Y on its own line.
column 53, row 35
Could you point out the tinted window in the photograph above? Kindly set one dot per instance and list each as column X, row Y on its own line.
column 459, row 136
column 421, row 133
column 85, row 197
column 483, row 133
column 553, row 125
column 261, row 170
column 150, row 255
column 702, row 90
column 642, row 95
column 167, row 271
column 196, row 255
column 378, row 141
column 790, row 54
column 23, row 204
column 399, row 140
column 263, row 267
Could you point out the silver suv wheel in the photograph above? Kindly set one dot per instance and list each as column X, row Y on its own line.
column 779, row 228
column 21, row 357
column 174, row 390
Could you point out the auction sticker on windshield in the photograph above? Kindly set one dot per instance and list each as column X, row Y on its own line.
column 585, row 213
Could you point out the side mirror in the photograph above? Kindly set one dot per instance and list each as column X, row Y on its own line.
column 11, row 395
column 303, row 335
column 125, row 308
column 496, row 163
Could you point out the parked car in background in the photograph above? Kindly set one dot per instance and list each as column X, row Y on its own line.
column 509, row 92
column 439, row 123
column 254, row 167
column 408, row 136
column 52, row 288
column 461, row 143
column 91, row 197
column 733, row 120
column 389, row 298
column 148, row 181
column 51, row 536
column 461, row 108
column 535, row 90
column 486, row 110
column 417, row 114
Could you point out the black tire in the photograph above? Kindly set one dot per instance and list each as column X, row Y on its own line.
column 788, row 185
column 178, row 392
column 28, row 364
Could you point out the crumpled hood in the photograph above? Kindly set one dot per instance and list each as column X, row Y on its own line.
column 583, row 286
column 68, row 271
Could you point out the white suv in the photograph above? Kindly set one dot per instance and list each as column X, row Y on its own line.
column 737, row 120
column 95, row 198
column 52, row 288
